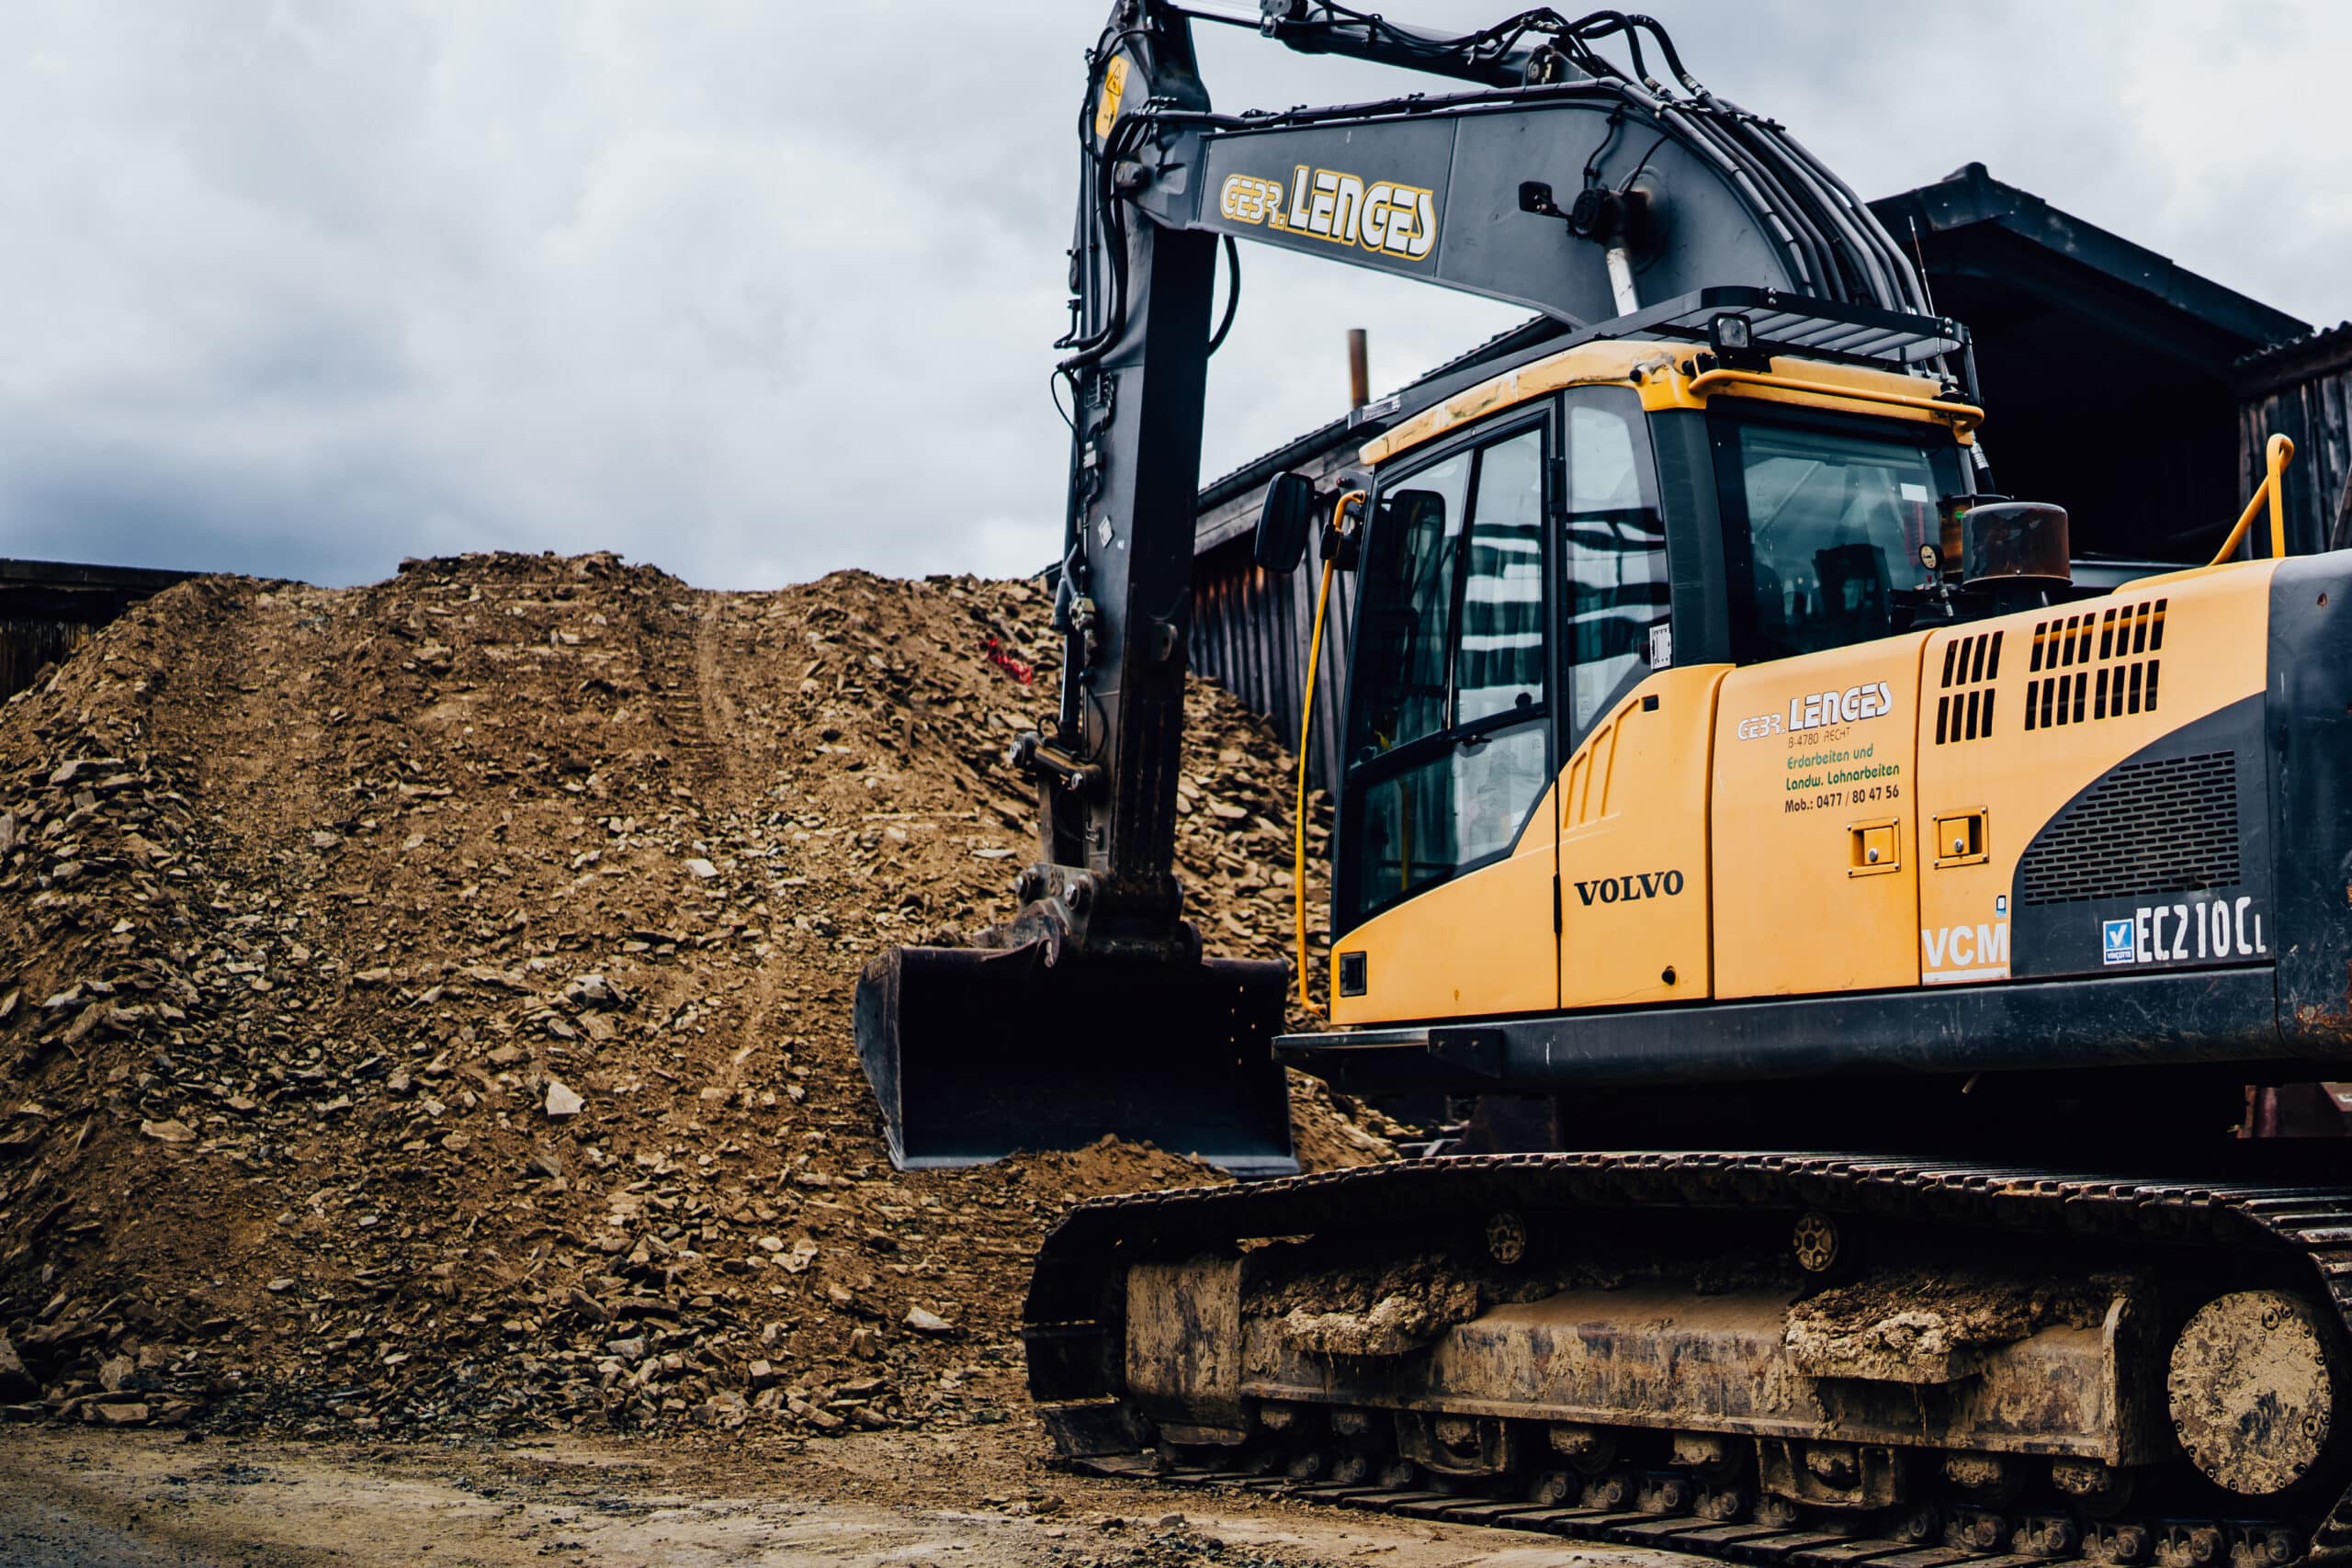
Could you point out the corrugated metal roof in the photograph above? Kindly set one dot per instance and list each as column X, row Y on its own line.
column 81, row 574
column 2298, row 359
column 1970, row 201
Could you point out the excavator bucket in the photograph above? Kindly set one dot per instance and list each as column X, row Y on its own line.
column 975, row 1052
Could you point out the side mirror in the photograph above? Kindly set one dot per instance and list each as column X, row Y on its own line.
column 1284, row 526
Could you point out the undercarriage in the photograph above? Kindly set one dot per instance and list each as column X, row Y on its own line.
column 1766, row 1357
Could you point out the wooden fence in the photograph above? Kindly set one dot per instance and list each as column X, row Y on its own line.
column 2303, row 391
column 47, row 608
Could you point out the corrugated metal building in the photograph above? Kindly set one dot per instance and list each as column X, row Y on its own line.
column 2126, row 389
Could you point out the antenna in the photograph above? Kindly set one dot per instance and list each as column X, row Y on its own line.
column 1927, row 290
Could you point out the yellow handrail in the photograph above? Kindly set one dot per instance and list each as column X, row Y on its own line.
column 2276, row 452
column 1305, row 727
column 1964, row 416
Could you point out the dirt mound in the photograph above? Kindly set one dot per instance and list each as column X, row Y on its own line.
column 427, row 1004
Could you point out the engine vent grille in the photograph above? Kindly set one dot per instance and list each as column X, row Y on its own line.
column 1964, row 710
column 2115, row 641
column 2169, row 825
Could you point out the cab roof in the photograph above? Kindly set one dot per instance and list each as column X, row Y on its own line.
column 1818, row 329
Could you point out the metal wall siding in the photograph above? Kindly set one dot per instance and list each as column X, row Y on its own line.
column 1251, row 631
column 2316, row 413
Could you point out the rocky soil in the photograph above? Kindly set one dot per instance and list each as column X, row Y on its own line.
column 424, row 1006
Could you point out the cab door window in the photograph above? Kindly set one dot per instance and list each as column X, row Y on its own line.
column 1407, row 609
column 1502, row 586
column 1449, row 743
column 1616, row 593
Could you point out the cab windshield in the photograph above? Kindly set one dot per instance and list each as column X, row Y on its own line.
column 1822, row 527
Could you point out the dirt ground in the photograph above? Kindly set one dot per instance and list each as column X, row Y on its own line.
column 906, row 1500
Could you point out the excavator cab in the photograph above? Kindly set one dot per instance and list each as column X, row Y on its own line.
column 1559, row 568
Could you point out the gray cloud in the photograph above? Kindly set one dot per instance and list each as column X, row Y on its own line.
column 758, row 290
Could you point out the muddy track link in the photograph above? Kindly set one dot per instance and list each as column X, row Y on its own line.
column 1074, row 1350
column 2231, row 1542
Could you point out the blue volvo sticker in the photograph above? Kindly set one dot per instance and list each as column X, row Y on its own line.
column 2116, row 941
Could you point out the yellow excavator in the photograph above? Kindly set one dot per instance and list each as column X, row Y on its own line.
column 1876, row 933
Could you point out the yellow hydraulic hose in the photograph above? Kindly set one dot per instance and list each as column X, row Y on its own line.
column 1307, row 727
column 1298, row 816
column 2276, row 452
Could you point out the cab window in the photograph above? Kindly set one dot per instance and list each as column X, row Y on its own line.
column 1407, row 609
column 1501, row 664
column 1448, row 741
column 1822, row 527
column 1615, row 591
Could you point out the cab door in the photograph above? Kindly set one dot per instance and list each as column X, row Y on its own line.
column 1816, row 851
column 1815, row 814
column 1634, row 868
column 1448, row 824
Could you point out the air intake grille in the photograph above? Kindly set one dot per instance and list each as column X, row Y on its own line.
column 1964, row 710
column 2123, row 633
column 2169, row 825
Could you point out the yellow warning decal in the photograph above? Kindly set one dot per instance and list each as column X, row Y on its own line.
column 1114, row 83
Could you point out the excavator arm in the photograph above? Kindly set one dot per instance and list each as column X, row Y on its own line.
column 1560, row 181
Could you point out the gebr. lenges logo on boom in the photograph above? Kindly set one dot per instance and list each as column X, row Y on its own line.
column 1396, row 221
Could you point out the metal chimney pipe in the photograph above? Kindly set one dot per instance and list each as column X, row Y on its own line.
column 1359, row 371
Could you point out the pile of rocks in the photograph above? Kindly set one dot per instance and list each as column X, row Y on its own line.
column 426, row 1005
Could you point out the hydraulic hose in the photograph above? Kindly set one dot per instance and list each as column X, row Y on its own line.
column 1298, row 813
column 1305, row 729
column 1232, row 293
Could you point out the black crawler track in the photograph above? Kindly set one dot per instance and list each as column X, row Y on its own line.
column 1802, row 1547
column 1073, row 1334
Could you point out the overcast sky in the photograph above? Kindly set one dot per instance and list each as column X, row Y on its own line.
column 755, row 290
